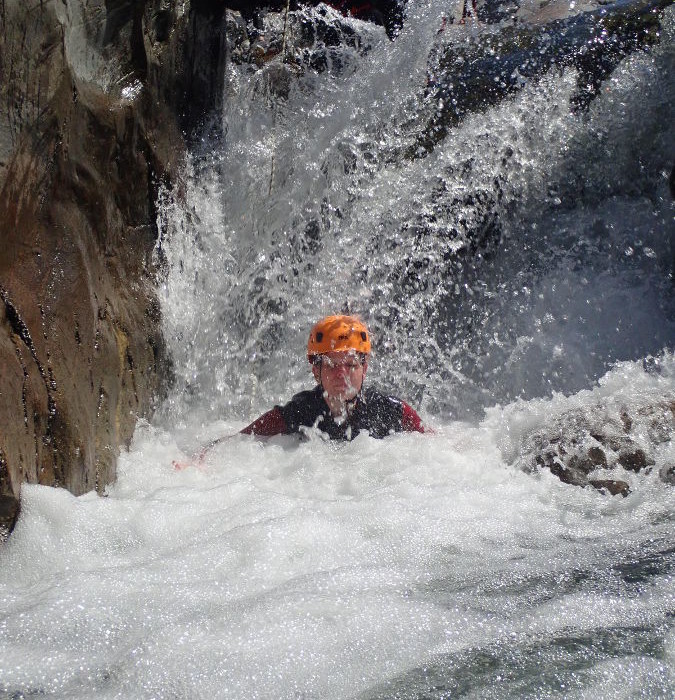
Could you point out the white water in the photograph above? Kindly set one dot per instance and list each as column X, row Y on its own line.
column 421, row 566
column 362, row 570
column 581, row 276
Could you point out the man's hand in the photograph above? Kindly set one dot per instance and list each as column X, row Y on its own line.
column 197, row 459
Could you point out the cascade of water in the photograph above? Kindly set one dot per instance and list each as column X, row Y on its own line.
column 530, row 250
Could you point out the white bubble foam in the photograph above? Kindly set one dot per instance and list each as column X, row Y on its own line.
column 317, row 569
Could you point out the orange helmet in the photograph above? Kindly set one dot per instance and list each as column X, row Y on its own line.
column 337, row 333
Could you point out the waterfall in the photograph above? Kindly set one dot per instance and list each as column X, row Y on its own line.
column 528, row 252
column 517, row 276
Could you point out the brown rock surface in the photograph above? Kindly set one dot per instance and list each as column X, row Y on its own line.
column 92, row 98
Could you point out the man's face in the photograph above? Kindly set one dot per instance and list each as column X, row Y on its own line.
column 341, row 374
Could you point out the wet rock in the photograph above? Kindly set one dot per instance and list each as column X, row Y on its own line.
column 635, row 461
column 614, row 442
column 94, row 100
column 190, row 67
column 238, row 43
column 578, row 446
column 468, row 73
column 611, row 486
column 9, row 511
column 667, row 474
column 386, row 13
column 593, row 459
column 309, row 39
column 660, row 420
column 565, row 473
column 571, row 468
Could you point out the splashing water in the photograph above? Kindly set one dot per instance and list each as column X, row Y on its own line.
column 516, row 277
column 526, row 254
column 413, row 567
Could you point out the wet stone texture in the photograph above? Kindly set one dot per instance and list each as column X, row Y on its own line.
column 594, row 448
column 467, row 77
column 93, row 108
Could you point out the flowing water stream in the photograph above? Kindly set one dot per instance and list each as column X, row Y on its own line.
column 514, row 278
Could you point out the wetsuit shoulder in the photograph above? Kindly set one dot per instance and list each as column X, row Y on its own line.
column 304, row 409
column 411, row 421
column 383, row 414
column 270, row 423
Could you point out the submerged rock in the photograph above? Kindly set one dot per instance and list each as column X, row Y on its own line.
column 582, row 445
column 667, row 474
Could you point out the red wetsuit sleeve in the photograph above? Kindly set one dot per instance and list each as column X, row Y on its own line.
column 270, row 423
column 410, row 421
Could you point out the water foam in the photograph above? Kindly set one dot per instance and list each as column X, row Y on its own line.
column 320, row 570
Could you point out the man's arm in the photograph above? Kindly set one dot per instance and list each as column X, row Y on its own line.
column 270, row 423
column 410, row 421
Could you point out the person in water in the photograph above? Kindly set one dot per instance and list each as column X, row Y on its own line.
column 339, row 406
column 338, row 349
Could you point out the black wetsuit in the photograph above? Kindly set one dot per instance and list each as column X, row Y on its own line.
column 373, row 412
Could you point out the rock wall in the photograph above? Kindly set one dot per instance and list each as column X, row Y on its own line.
column 96, row 98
